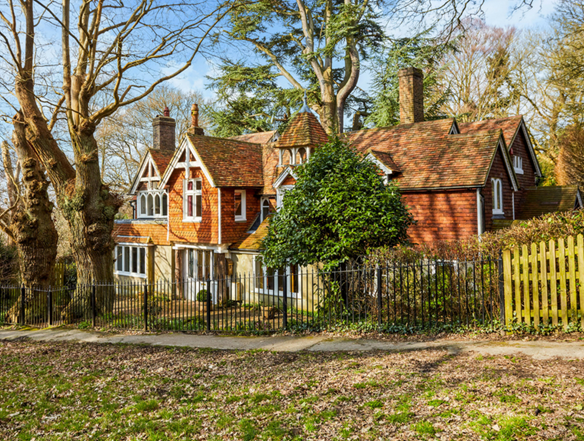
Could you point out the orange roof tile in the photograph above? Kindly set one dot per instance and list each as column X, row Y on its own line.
column 428, row 157
column 256, row 138
column 253, row 241
column 161, row 159
column 508, row 125
column 304, row 130
column 385, row 158
column 230, row 163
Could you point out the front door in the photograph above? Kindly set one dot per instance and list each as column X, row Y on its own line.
column 198, row 269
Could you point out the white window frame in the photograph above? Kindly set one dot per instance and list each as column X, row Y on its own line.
column 194, row 193
column 142, row 209
column 141, row 257
column 276, row 291
column 518, row 164
column 497, row 188
column 243, row 215
column 281, row 192
column 208, row 264
column 262, row 203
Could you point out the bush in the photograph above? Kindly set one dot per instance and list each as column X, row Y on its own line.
column 202, row 295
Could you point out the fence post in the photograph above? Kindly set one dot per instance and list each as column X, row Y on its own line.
column 93, row 305
column 501, row 287
column 285, row 298
column 379, row 299
column 50, row 306
column 208, row 304
column 22, row 296
column 146, row 307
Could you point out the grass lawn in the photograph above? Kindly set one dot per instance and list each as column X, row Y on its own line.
column 62, row 391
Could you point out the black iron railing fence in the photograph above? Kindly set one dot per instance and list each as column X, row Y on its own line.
column 421, row 294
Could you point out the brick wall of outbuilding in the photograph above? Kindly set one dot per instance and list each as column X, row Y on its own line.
column 442, row 215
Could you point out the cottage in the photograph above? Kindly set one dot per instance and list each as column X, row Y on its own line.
column 201, row 209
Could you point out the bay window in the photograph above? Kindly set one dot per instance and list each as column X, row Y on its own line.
column 130, row 260
column 152, row 203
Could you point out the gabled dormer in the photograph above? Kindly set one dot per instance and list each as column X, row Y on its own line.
column 303, row 134
column 151, row 197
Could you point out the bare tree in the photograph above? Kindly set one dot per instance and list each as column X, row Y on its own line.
column 480, row 73
column 112, row 55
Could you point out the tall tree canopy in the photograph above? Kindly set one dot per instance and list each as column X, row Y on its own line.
column 320, row 46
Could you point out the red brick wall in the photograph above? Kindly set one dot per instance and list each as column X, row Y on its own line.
column 498, row 170
column 442, row 215
column 231, row 231
column 527, row 179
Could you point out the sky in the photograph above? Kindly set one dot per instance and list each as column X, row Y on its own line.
column 496, row 13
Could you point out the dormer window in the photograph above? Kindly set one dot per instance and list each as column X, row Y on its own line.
column 497, row 187
column 518, row 164
column 265, row 209
column 152, row 204
column 192, row 200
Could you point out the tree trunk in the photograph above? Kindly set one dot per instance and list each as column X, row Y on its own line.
column 90, row 213
column 33, row 230
column 85, row 202
column 328, row 109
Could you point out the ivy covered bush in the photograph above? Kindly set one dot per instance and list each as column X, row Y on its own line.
column 338, row 208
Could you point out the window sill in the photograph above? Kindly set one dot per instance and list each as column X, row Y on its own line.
column 193, row 221
column 240, row 220
column 293, row 295
column 125, row 274
column 518, row 171
column 498, row 215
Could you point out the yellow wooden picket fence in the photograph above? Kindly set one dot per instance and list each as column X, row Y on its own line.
column 545, row 282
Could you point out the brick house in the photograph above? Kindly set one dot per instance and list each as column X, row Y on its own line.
column 201, row 208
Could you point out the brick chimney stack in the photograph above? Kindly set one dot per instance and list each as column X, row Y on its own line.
column 411, row 95
column 195, row 129
column 163, row 131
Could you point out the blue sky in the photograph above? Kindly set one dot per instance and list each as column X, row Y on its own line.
column 496, row 13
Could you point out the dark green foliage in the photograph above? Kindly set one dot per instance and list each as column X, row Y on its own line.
column 202, row 295
column 421, row 52
column 249, row 100
column 338, row 209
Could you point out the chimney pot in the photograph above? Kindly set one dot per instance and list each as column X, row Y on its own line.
column 411, row 95
column 195, row 129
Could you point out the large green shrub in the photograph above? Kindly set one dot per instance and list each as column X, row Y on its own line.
column 338, row 208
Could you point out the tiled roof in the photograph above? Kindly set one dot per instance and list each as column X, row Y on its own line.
column 161, row 159
column 230, row 163
column 508, row 125
column 542, row 200
column 428, row 157
column 303, row 130
column 256, row 138
column 254, row 240
column 385, row 159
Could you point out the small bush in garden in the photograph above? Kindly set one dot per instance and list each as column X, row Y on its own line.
column 202, row 295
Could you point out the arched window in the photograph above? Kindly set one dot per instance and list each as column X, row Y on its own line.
column 497, row 187
column 143, row 205
column 287, row 157
column 157, row 204
column 301, row 156
column 265, row 209
column 150, row 205
column 165, row 204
